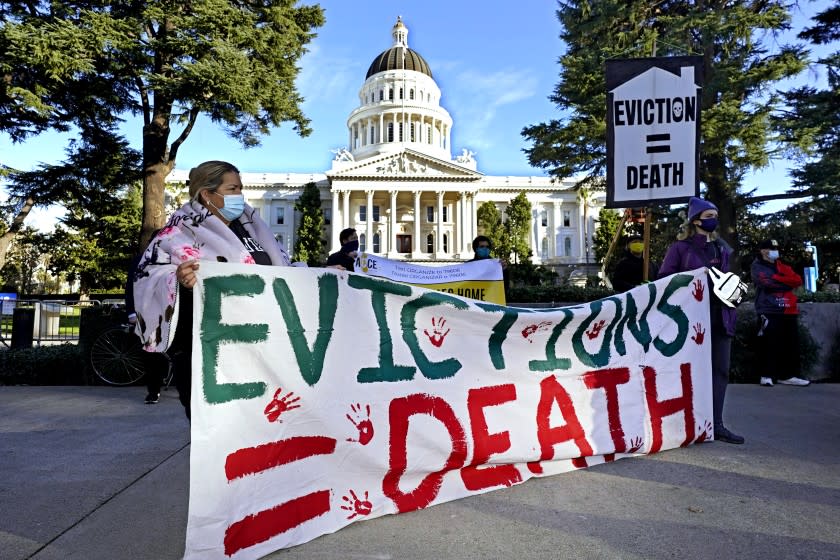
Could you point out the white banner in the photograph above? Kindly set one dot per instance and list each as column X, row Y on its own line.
column 482, row 279
column 321, row 398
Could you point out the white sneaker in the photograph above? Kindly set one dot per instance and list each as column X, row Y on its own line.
column 767, row 382
column 799, row 382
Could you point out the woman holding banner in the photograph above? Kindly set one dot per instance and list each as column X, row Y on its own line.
column 698, row 246
column 216, row 224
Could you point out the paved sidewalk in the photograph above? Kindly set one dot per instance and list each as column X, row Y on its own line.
column 92, row 473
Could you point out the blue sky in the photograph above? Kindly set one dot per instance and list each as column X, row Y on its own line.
column 496, row 65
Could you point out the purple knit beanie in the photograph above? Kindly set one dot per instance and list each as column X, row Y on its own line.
column 697, row 205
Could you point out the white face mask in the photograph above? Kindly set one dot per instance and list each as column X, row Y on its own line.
column 772, row 255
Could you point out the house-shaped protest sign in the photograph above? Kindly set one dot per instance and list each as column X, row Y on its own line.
column 653, row 130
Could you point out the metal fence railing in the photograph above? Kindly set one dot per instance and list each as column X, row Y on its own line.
column 51, row 321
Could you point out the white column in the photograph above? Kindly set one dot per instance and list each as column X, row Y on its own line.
column 369, row 223
column 459, row 227
column 439, row 240
column 392, row 238
column 556, row 220
column 382, row 128
column 345, row 211
column 474, row 204
column 416, row 245
column 335, row 226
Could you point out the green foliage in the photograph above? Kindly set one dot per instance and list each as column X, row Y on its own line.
column 95, row 244
column 528, row 274
column 517, row 227
column 42, row 365
column 556, row 295
column 737, row 97
column 490, row 225
column 309, row 245
column 22, row 261
column 608, row 221
column 89, row 63
column 811, row 128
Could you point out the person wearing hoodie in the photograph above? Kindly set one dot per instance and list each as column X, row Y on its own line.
column 697, row 246
column 629, row 272
column 777, row 314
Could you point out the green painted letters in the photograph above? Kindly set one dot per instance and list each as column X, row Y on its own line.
column 214, row 333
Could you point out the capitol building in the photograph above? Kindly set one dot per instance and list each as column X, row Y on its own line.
column 399, row 185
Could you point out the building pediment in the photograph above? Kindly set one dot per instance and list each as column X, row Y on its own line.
column 408, row 165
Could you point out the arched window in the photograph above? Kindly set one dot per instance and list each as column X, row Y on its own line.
column 401, row 93
column 390, row 132
column 390, row 94
column 278, row 237
column 411, row 93
column 567, row 246
column 381, row 95
column 544, row 248
column 445, row 242
column 401, row 132
column 362, row 243
column 430, row 243
column 376, row 242
column 373, row 135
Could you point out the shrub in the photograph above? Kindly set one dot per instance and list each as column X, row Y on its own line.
column 559, row 295
column 742, row 366
column 42, row 365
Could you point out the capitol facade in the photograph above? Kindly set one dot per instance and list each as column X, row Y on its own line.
column 398, row 184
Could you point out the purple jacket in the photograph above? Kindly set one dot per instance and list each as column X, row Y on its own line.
column 689, row 254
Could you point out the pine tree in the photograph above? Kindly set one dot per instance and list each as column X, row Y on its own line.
column 309, row 244
column 737, row 96
column 490, row 222
column 517, row 228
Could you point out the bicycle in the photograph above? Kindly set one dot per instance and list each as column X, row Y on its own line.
column 117, row 357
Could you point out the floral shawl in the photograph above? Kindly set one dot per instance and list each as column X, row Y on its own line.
column 191, row 233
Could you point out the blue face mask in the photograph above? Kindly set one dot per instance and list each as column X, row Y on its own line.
column 233, row 208
column 772, row 255
column 482, row 252
column 709, row 224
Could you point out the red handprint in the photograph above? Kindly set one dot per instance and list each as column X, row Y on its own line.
column 699, row 334
column 698, row 290
column 635, row 444
column 437, row 336
column 279, row 405
column 363, row 424
column 531, row 329
column 705, row 433
column 596, row 329
column 357, row 506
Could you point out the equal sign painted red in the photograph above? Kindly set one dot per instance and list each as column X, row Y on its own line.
column 658, row 138
column 259, row 527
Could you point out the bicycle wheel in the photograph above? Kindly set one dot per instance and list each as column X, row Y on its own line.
column 117, row 357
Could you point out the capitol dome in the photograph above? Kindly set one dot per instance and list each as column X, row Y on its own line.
column 399, row 56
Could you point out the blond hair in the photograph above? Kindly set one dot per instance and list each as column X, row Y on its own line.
column 208, row 176
column 688, row 229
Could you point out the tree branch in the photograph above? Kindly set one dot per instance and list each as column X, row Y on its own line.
column 173, row 150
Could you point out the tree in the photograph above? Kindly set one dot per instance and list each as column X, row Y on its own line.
column 22, row 264
column 309, row 245
column 167, row 61
column 517, row 227
column 95, row 243
column 490, row 221
column 736, row 99
column 99, row 167
column 608, row 221
column 811, row 126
